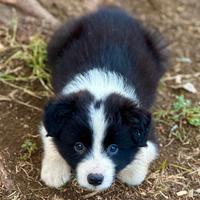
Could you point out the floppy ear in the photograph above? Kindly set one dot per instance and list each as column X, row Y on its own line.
column 139, row 123
column 125, row 112
column 55, row 115
column 60, row 111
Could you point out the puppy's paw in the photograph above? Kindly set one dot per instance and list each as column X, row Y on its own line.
column 131, row 177
column 55, row 173
column 136, row 171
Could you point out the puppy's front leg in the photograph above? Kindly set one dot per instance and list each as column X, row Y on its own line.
column 136, row 171
column 55, row 170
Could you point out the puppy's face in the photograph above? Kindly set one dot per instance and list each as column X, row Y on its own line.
column 97, row 138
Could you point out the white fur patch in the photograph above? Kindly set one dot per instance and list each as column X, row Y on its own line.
column 97, row 161
column 55, row 171
column 98, row 125
column 136, row 171
column 100, row 83
column 100, row 164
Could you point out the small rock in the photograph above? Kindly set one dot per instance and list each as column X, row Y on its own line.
column 2, row 47
column 197, row 191
column 26, row 126
column 181, row 193
column 184, row 60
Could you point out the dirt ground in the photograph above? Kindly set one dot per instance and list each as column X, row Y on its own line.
column 174, row 175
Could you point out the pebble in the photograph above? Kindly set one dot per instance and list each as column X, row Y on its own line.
column 181, row 193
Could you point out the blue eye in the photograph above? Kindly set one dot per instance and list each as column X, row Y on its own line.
column 79, row 147
column 112, row 149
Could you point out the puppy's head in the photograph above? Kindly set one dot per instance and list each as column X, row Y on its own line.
column 97, row 138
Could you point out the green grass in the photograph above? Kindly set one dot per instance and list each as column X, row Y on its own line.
column 33, row 55
column 163, row 165
column 183, row 109
column 181, row 115
column 28, row 148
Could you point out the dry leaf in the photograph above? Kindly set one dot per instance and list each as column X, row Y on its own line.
column 189, row 87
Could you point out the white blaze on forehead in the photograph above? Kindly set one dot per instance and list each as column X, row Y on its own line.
column 98, row 125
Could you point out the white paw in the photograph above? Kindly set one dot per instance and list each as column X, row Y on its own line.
column 136, row 171
column 131, row 177
column 55, row 173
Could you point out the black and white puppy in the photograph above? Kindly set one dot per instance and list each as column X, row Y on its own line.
column 105, row 67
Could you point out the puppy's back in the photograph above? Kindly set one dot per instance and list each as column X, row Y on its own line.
column 108, row 38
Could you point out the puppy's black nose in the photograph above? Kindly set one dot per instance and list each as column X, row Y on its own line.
column 95, row 179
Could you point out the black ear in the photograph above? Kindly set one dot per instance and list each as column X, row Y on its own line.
column 140, row 125
column 60, row 111
column 55, row 115
column 138, row 121
column 123, row 111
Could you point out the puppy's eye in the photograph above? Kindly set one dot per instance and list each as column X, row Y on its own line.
column 112, row 149
column 79, row 147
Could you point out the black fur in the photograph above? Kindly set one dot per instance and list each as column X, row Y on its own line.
column 128, row 128
column 111, row 39
column 66, row 120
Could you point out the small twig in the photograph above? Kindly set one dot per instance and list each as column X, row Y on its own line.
column 4, row 98
column 90, row 194
column 181, row 76
column 33, row 7
column 8, row 1
column 180, row 167
column 27, row 104
column 46, row 87
column 12, row 98
column 20, row 88
column 170, row 142
column 166, row 197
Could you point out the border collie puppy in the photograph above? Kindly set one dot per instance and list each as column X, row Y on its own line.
column 105, row 67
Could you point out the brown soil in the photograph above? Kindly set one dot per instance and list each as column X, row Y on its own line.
column 179, row 21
